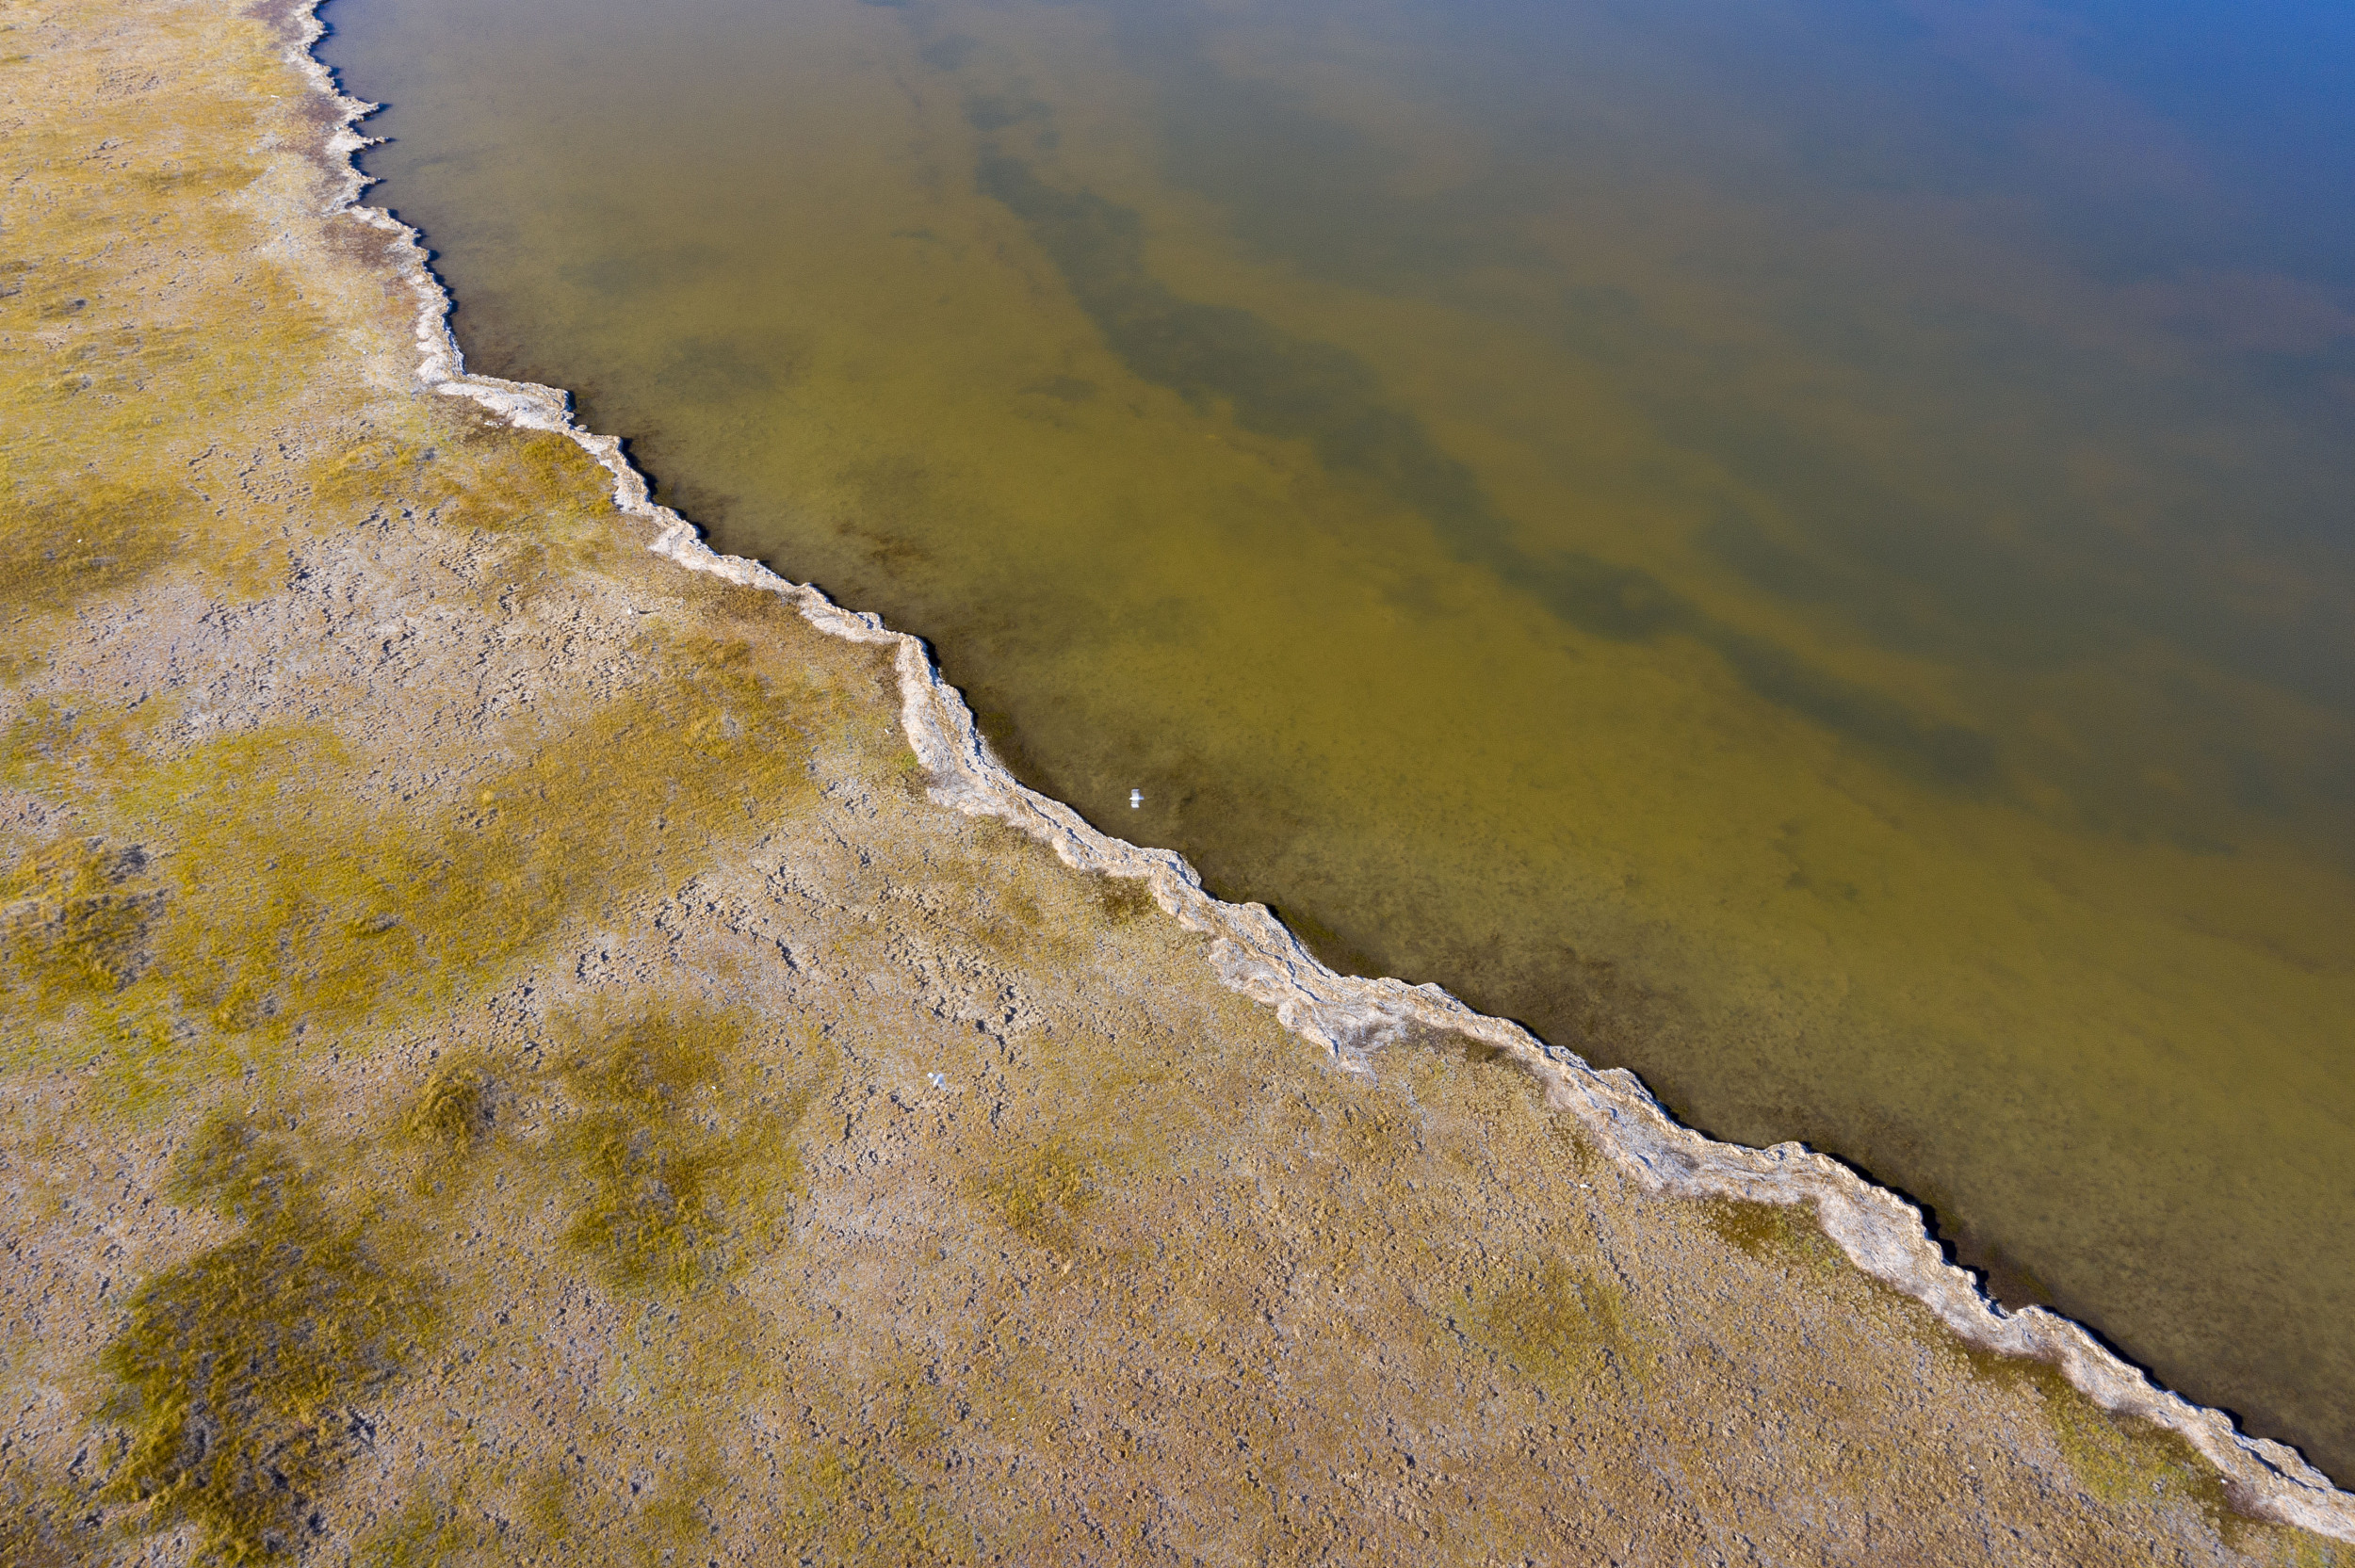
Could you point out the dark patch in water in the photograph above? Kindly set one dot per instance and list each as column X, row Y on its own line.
column 717, row 370
column 1295, row 388
column 996, row 112
column 1315, row 190
column 702, row 505
column 949, row 53
column 1063, row 389
column 634, row 272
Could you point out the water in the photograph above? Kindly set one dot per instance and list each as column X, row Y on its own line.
column 1804, row 549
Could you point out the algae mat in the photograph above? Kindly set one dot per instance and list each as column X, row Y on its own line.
column 1802, row 554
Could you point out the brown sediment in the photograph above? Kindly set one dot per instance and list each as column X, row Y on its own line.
column 507, row 1059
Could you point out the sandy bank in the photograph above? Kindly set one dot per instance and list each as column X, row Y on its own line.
column 508, row 1055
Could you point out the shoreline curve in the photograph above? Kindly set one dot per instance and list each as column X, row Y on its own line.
column 1251, row 953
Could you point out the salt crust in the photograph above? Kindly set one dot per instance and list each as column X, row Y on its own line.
column 1350, row 1017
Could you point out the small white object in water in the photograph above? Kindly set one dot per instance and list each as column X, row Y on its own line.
column 1136, row 799
column 940, row 1080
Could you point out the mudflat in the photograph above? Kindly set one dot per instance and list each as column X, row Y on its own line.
column 518, row 1050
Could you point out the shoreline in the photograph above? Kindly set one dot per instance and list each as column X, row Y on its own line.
column 1880, row 1234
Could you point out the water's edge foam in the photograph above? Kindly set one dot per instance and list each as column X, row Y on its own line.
column 1252, row 953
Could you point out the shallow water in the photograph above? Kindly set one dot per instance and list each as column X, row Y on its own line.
column 1804, row 549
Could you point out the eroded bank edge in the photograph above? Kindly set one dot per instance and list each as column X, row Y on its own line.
column 1253, row 954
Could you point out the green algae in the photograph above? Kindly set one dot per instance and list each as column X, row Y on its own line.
column 1123, row 899
column 497, row 1518
column 292, row 908
column 454, row 1110
column 229, row 1164
column 666, row 1092
column 100, row 499
column 1044, row 1195
column 536, row 495
column 909, row 774
column 2121, row 1460
column 694, row 1365
column 37, row 1534
column 276, row 906
column 680, row 1167
column 67, row 550
column 76, row 915
column 1070, row 1185
column 239, row 1374
column 1789, row 1232
column 862, row 1507
column 1559, row 1325
column 428, row 1528
column 501, row 1514
column 127, row 388
column 513, row 482
column 55, row 748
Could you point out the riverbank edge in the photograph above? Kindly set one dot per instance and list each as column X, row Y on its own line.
column 1350, row 1018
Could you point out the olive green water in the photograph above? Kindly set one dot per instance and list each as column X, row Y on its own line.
column 1800, row 551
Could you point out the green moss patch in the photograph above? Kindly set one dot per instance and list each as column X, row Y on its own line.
column 1123, row 899
column 293, row 912
column 2121, row 1460
column 501, row 1514
column 863, row 1507
column 1789, row 1232
column 237, row 1375
column 455, row 1110
column 679, row 1164
column 1044, row 1195
column 76, row 915
column 62, row 550
column 1558, row 1325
